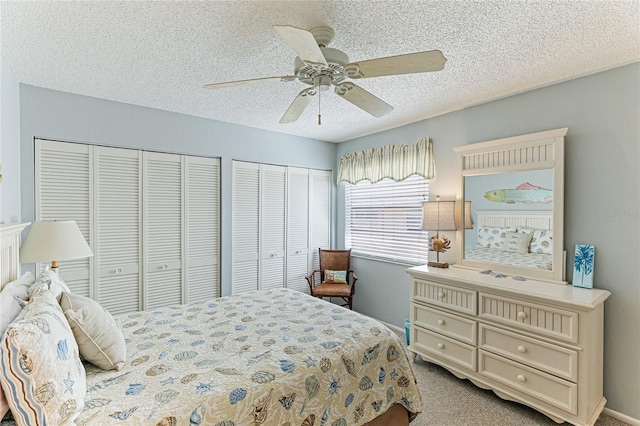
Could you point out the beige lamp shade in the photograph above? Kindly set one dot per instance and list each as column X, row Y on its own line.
column 53, row 241
column 438, row 216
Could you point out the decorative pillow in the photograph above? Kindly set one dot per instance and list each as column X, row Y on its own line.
column 52, row 281
column 335, row 277
column 541, row 240
column 517, row 242
column 10, row 298
column 42, row 376
column 98, row 336
column 489, row 237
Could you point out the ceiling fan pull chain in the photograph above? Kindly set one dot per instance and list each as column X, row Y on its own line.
column 319, row 94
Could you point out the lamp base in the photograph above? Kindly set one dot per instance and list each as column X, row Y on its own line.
column 442, row 265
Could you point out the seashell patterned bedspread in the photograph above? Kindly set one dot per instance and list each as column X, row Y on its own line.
column 275, row 357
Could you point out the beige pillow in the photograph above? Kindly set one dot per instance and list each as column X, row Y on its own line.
column 517, row 242
column 98, row 336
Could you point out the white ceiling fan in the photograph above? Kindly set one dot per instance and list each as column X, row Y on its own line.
column 321, row 67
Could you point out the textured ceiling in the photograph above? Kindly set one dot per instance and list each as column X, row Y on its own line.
column 160, row 54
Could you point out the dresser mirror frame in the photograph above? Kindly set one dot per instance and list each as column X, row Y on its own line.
column 534, row 151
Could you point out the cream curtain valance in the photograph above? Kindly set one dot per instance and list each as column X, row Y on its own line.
column 396, row 162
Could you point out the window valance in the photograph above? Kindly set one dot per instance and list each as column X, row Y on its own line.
column 396, row 162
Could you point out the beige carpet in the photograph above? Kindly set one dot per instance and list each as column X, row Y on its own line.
column 449, row 401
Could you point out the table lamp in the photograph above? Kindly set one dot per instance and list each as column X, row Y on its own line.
column 54, row 241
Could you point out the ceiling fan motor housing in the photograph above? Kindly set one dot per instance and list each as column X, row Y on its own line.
column 336, row 59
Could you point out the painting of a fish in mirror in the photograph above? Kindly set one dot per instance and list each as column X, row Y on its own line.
column 525, row 193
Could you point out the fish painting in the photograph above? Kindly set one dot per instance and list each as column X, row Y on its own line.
column 524, row 193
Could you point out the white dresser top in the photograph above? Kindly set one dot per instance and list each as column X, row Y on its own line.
column 561, row 294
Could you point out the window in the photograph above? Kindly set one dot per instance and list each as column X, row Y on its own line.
column 384, row 219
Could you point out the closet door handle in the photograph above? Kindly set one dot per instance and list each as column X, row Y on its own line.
column 165, row 267
column 118, row 270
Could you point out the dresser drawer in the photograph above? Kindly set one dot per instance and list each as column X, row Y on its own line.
column 528, row 316
column 456, row 299
column 450, row 325
column 445, row 348
column 544, row 387
column 543, row 356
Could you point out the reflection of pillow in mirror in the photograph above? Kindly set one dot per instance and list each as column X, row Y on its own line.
column 489, row 237
column 541, row 240
column 517, row 242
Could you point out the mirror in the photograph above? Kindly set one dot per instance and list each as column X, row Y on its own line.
column 515, row 186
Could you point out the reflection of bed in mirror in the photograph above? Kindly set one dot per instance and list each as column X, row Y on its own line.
column 534, row 252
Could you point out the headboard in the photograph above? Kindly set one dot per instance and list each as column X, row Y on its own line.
column 10, row 247
column 532, row 219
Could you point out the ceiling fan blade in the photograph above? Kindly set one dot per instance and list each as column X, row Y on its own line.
column 433, row 60
column 249, row 82
column 298, row 106
column 363, row 99
column 304, row 44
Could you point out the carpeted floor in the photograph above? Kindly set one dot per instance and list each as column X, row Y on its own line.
column 449, row 401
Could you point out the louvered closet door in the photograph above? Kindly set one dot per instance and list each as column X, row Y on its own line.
column 203, row 224
column 246, row 226
column 118, row 253
column 320, row 213
column 162, row 231
column 64, row 191
column 273, row 224
column 297, row 228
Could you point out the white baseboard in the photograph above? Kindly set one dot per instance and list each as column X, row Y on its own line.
column 622, row 417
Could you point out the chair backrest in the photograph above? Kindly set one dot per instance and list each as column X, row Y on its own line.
column 334, row 260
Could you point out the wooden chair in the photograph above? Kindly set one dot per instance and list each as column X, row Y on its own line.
column 321, row 285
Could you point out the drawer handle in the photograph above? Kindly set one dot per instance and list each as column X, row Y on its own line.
column 118, row 270
column 522, row 349
column 521, row 378
column 164, row 267
column 440, row 346
column 441, row 295
column 522, row 315
column 440, row 322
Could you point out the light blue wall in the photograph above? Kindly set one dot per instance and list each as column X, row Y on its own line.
column 9, row 144
column 67, row 117
column 602, row 199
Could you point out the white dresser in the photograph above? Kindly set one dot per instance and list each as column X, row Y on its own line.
column 534, row 342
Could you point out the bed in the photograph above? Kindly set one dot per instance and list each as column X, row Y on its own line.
column 275, row 357
column 491, row 228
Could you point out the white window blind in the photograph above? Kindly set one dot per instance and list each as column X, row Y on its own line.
column 383, row 219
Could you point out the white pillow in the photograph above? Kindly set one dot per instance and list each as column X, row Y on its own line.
column 99, row 338
column 517, row 242
column 52, row 281
column 9, row 306
column 42, row 375
column 489, row 237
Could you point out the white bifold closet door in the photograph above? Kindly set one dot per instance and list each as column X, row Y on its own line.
column 151, row 219
column 117, row 246
column 246, row 226
column 320, row 214
column 162, row 229
column 64, row 191
column 202, row 250
column 273, row 185
column 275, row 222
column 298, row 194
